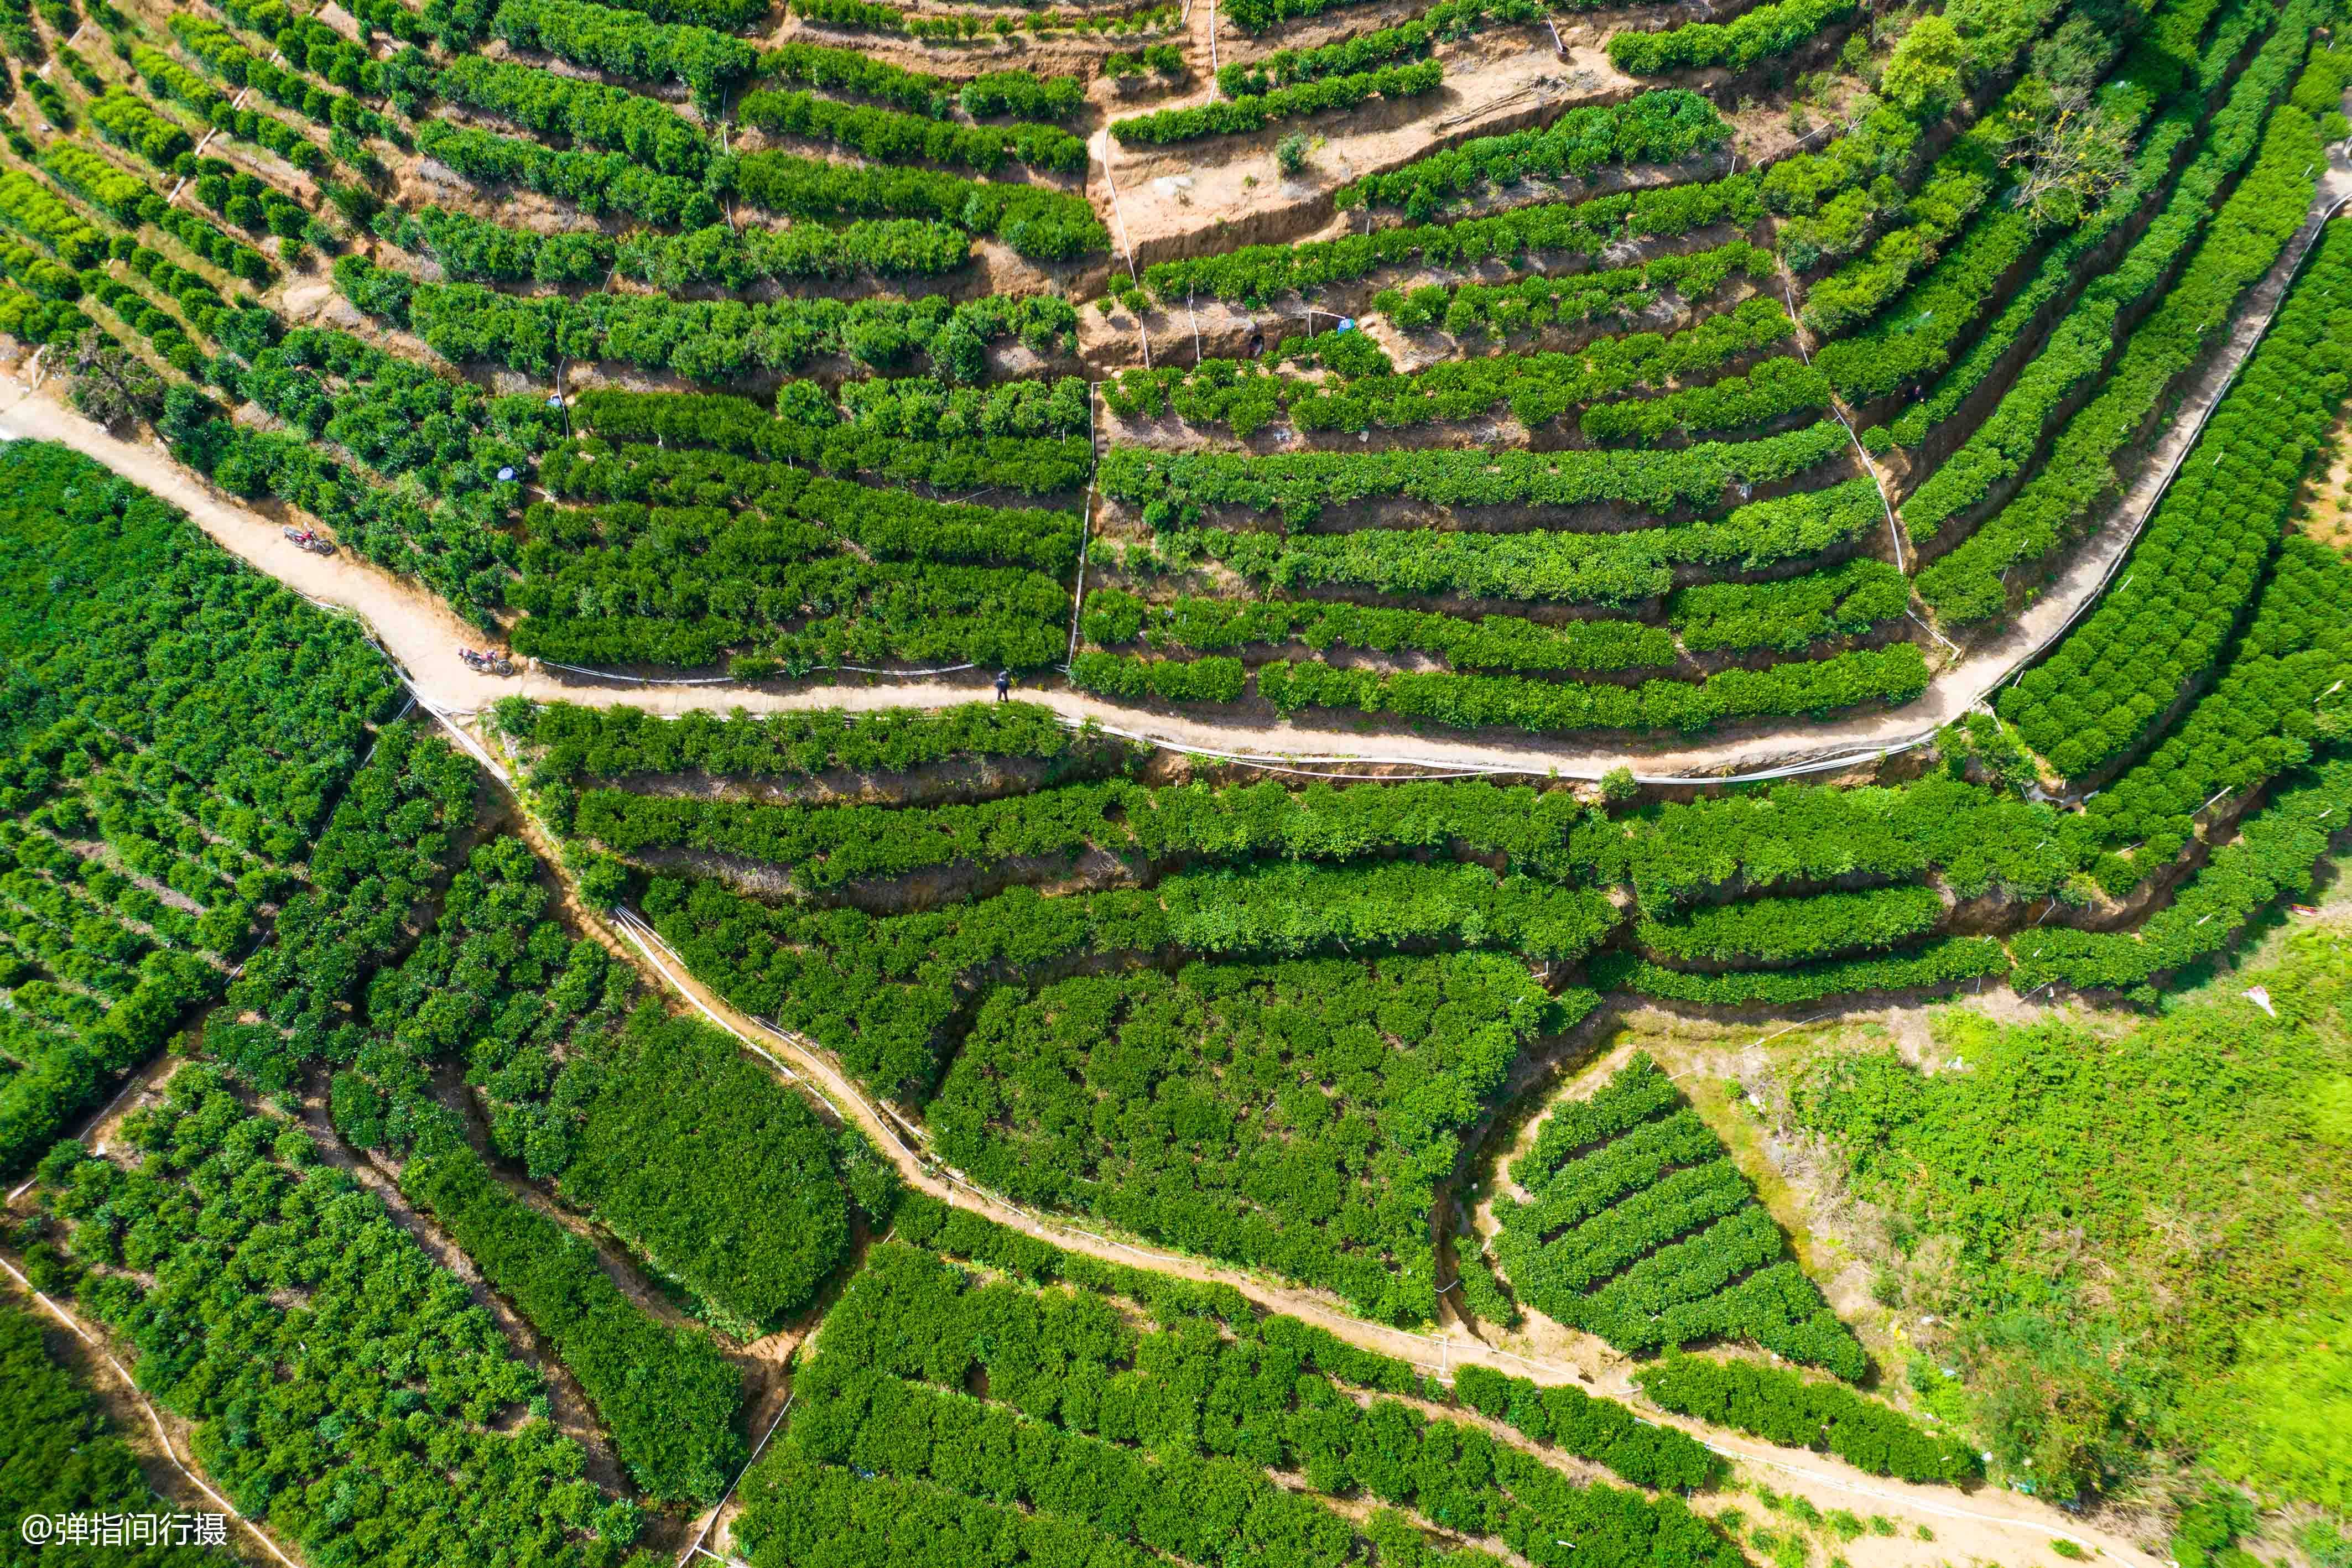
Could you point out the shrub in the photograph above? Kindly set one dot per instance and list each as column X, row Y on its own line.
column 888, row 136
column 1661, row 126
column 2204, row 554
column 1255, row 111
column 1041, row 224
column 1611, row 1243
column 1036, row 1077
column 628, row 43
column 1783, row 1407
column 667, row 1394
column 1769, row 29
column 224, row 1203
column 1302, row 484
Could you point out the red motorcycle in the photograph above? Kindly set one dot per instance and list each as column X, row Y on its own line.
column 488, row 664
column 312, row 539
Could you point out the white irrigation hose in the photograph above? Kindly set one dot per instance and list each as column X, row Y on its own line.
column 1436, row 767
column 632, row 680
column 1931, row 631
column 730, row 680
column 161, row 1436
column 1443, row 769
column 704, row 1534
column 100, row 1120
column 1125, row 244
column 473, row 747
column 1797, row 332
column 2314, row 226
column 636, row 930
column 1086, row 524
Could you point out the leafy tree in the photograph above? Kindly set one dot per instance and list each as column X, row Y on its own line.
column 1112, row 1441
column 2069, row 154
column 1923, row 74
column 111, row 384
column 58, row 1454
column 1637, row 1227
column 387, row 1351
column 1194, row 1112
column 136, row 855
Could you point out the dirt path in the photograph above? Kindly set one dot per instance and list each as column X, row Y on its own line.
column 115, row 1388
column 1990, row 1525
column 417, row 630
column 423, row 635
column 570, row 1407
column 1215, row 194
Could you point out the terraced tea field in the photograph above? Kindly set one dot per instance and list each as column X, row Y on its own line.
column 1627, row 643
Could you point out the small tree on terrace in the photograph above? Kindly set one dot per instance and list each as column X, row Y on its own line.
column 112, row 385
column 2067, row 157
column 1925, row 69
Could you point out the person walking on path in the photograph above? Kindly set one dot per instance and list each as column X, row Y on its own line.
column 1003, row 684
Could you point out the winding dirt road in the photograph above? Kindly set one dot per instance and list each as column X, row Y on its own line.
column 1988, row 1524
column 422, row 634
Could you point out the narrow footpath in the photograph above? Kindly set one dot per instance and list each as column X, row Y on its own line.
column 1990, row 1524
column 423, row 635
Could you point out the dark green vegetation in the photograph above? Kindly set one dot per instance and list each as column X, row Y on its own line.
column 898, row 576
column 2243, row 237
column 172, row 730
column 1597, row 490
column 1575, row 1422
column 667, row 1395
column 1638, row 1227
column 930, row 946
column 2119, row 1354
column 912, row 504
column 655, row 1125
column 1293, row 1116
column 58, row 1454
column 191, row 785
column 2209, row 545
column 2176, row 106
column 1105, row 1441
column 384, row 1347
column 616, row 743
column 723, row 1179
column 882, row 988
column 1787, row 1409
